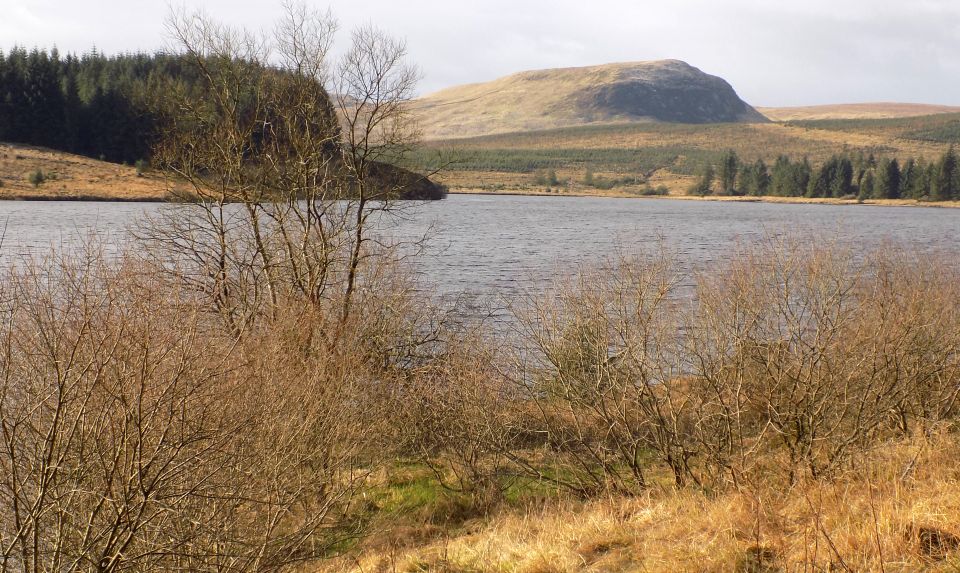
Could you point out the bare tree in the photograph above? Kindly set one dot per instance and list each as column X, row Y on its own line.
column 602, row 375
column 374, row 88
column 290, row 184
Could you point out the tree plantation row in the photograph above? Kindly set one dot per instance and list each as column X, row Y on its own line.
column 842, row 176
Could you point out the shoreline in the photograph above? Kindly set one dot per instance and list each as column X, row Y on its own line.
column 83, row 199
column 98, row 198
column 718, row 199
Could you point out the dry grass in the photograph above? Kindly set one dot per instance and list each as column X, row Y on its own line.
column 883, row 110
column 885, row 515
column 73, row 177
column 748, row 140
column 508, row 104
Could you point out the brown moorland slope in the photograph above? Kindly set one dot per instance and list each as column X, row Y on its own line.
column 882, row 110
column 660, row 91
column 73, row 177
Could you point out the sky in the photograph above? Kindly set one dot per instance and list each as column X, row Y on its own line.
column 773, row 52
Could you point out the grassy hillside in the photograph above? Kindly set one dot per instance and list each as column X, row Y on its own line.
column 855, row 111
column 671, row 154
column 667, row 90
column 67, row 176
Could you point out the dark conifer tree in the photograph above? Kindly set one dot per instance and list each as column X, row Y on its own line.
column 866, row 186
column 819, row 185
column 887, row 182
column 761, row 178
column 727, row 174
column 781, row 176
column 946, row 183
column 842, row 183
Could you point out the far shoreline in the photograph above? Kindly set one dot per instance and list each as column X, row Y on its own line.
column 613, row 194
column 717, row 199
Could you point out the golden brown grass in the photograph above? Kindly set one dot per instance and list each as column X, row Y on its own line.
column 883, row 110
column 508, row 104
column 73, row 177
column 750, row 141
column 897, row 511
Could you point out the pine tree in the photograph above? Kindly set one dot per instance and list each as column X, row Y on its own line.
column 887, row 182
column 819, row 185
column 727, row 174
column 908, row 176
column 745, row 179
column 866, row 186
column 842, row 183
column 945, row 184
column 72, row 114
column 931, row 178
column 780, row 176
column 705, row 184
column 802, row 173
column 761, row 178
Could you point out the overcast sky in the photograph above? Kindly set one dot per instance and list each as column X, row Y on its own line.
column 774, row 52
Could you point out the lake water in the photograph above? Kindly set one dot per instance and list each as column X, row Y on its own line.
column 494, row 245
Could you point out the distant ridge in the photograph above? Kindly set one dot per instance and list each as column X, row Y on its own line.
column 661, row 91
column 880, row 110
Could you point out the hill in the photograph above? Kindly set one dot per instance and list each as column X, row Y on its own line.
column 72, row 177
column 884, row 110
column 662, row 91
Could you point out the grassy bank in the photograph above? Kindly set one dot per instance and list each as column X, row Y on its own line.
column 899, row 510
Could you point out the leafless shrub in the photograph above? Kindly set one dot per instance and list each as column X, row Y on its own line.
column 603, row 379
column 108, row 419
column 911, row 302
column 136, row 433
column 792, row 358
column 461, row 419
column 805, row 349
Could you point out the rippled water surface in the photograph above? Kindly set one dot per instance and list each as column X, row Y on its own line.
column 497, row 244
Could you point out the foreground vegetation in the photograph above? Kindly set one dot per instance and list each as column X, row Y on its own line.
column 796, row 409
column 873, row 518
